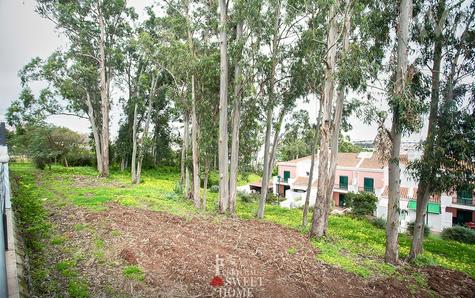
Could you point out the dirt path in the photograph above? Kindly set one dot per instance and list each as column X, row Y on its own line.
column 184, row 257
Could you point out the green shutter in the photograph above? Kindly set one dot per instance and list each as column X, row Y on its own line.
column 344, row 182
column 368, row 184
column 286, row 176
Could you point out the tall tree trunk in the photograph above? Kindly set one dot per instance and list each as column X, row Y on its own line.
column 95, row 132
column 104, row 90
column 265, row 174
column 146, row 128
column 337, row 123
column 318, row 225
column 316, row 136
column 424, row 186
column 276, row 140
column 186, row 145
column 133, row 163
column 235, row 127
column 223, row 111
column 270, row 110
column 205, row 182
column 392, row 227
column 195, row 149
column 183, row 153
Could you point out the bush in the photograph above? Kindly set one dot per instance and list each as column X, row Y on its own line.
column 410, row 229
column 247, row 197
column 460, row 234
column 171, row 196
column 378, row 222
column 214, row 188
column 361, row 204
column 178, row 189
column 81, row 158
column 272, row 198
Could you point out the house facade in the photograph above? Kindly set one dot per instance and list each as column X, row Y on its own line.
column 358, row 172
column 354, row 172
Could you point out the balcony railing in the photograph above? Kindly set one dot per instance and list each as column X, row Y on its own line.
column 366, row 189
column 341, row 186
column 463, row 201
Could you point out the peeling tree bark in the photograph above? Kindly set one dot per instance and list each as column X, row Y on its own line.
column 316, row 137
column 392, row 227
column 337, row 124
column 269, row 115
column 195, row 149
column 223, row 111
column 424, row 186
column 318, row 224
column 235, row 128
column 104, row 91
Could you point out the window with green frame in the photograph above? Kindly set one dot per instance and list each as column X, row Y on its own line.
column 343, row 182
column 286, row 176
column 368, row 184
column 465, row 196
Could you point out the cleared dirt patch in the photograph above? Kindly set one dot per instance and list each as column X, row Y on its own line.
column 179, row 258
column 91, row 181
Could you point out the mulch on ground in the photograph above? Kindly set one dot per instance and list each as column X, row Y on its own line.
column 179, row 257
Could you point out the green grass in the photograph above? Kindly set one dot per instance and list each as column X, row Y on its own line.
column 353, row 244
column 133, row 272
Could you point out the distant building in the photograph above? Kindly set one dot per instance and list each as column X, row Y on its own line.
column 354, row 172
column 357, row 172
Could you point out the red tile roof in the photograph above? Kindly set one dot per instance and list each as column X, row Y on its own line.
column 372, row 163
column 347, row 160
column 302, row 181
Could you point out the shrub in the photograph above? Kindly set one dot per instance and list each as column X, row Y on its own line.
column 214, row 188
column 410, row 229
column 170, row 196
column 247, row 197
column 81, row 158
column 460, row 234
column 272, row 198
column 178, row 189
column 378, row 222
column 361, row 203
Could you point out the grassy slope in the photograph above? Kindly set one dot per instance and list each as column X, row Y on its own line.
column 353, row 244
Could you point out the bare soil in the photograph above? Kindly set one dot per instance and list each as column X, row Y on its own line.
column 179, row 257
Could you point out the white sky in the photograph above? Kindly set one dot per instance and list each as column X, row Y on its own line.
column 24, row 35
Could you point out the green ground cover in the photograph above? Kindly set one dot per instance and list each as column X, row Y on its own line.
column 352, row 244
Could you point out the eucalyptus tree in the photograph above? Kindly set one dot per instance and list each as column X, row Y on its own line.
column 353, row 57
column 71, row 89
column 443, row 35
column 94, row 29
column 149, row 77
column 244, row 22
column 318, row 219
column 177, row 60
column 310, row 52
column 405, row 110
column 223, row 109
column 280, row 26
